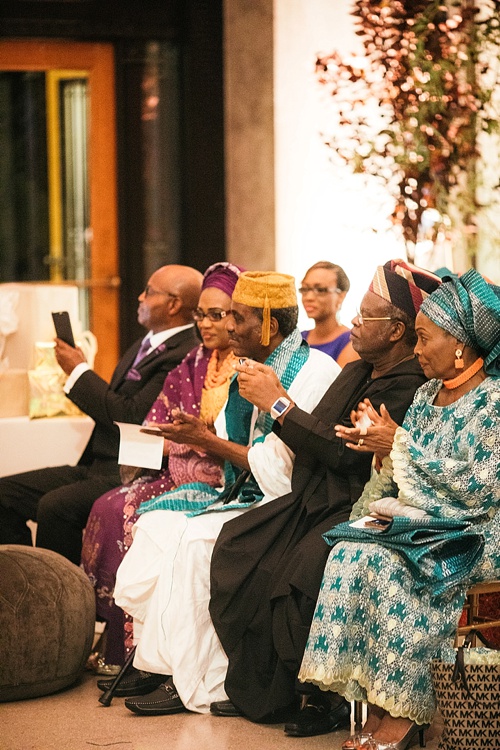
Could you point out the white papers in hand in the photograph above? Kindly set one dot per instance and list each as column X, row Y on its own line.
column 139, row 449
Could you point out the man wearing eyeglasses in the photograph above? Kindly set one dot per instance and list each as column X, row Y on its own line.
column 60, row 498
column 267, row 566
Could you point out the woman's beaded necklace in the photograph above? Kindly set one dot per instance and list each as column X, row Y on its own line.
column 219, row 374
column 464, row 376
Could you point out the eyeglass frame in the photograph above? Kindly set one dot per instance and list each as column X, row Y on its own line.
column 150, row 292
column 363, row 318
column 199, row 316
column 319, row 290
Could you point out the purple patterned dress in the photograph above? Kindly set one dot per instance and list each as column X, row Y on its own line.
column 108, row 533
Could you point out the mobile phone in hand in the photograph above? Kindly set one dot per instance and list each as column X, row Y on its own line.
column 62, row 324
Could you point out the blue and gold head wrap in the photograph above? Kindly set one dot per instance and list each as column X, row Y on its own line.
column 468, row 307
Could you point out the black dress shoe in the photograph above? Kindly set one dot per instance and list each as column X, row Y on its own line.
column 319, row 718
column 135, row 682
column 162, row 701
column 224, row 708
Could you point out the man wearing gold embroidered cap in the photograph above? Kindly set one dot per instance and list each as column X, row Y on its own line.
column 260, row 289
column 163, row 581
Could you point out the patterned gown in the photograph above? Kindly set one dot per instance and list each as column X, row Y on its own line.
column 375, row 630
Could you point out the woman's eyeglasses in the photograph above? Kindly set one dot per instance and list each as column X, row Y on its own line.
column 214, row 315
column 320, row 290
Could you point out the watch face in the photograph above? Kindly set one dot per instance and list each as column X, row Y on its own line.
column 280, row 407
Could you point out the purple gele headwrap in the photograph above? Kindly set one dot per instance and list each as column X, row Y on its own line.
column 223, row 276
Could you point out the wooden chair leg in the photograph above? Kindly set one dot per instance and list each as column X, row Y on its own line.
column 471, row 607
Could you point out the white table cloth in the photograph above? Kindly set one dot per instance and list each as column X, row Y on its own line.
column 27, row 444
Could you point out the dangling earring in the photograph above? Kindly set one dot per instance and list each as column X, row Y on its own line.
column 459, row 363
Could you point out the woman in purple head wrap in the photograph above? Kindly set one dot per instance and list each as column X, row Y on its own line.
column 199, row 386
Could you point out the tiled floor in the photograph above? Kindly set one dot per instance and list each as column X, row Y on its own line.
column 74, row 720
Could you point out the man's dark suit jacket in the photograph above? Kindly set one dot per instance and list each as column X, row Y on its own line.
column 126, row 399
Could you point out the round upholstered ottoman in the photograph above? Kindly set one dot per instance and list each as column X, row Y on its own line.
column 47, row 620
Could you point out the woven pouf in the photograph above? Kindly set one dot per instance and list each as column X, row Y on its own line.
column 47, row 620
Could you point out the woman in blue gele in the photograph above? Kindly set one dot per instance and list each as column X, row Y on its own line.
column 388, row 604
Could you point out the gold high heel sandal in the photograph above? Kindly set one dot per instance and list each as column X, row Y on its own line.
column 408, row 740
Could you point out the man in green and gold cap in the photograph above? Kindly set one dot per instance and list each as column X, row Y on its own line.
column 163, row 581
